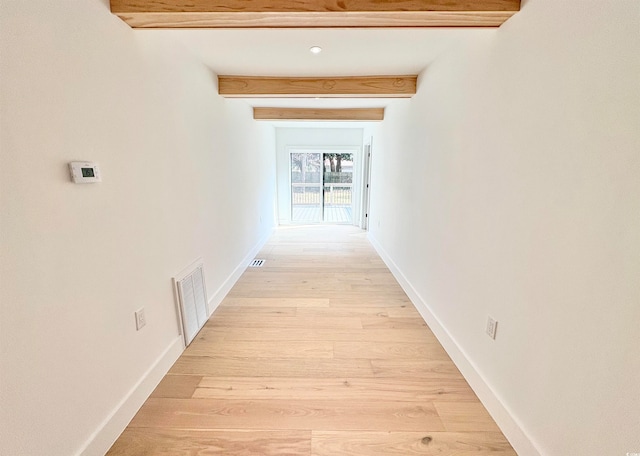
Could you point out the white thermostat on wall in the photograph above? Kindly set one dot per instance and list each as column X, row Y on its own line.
column 84, row 172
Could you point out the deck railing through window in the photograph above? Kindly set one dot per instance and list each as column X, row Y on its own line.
column 338, row 194
column 302, row 194
column 334, row 194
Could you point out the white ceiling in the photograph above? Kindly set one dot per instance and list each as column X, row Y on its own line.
column 346, row 52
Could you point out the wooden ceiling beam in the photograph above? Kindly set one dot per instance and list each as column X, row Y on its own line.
column 340, row 87
column 355, row 114
column 313, row 13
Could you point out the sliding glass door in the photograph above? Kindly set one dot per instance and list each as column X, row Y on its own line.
column 321, row 187
column 306, row 187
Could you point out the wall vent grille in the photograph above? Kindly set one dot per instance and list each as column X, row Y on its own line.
column 192, row 300
column 256, row 264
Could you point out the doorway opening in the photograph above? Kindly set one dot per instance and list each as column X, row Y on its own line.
column 321, row 187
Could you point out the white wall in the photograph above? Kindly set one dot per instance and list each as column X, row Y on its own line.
column 510, row 186
column 322, row 139
column 186, row 174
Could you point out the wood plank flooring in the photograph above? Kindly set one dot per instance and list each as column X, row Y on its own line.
column 317, row 353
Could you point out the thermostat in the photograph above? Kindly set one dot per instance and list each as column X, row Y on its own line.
column 84, row 172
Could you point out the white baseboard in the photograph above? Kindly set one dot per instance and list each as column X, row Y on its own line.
column 228, row 284
column 513, row 431
column 111, row 428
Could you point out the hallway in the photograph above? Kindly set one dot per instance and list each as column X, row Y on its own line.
column 319, row 352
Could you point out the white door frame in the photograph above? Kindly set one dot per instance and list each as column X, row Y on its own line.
column 366, row 185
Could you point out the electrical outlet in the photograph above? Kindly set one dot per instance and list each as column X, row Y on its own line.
column 141, row 320
column 492, row 326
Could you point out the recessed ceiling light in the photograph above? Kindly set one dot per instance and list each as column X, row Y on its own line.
column 315, row 49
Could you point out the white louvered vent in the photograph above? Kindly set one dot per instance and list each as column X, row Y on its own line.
column 256, row 264
column 192, row 299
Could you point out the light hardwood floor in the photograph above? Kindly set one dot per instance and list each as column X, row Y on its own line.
column 319, row 352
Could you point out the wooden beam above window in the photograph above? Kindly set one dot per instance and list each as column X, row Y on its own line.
column 313, row 13
column 340, row 87
column 355, row 114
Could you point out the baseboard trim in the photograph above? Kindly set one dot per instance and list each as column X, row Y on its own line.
column 111, row 428
column 228, row 284
column 513, row 431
